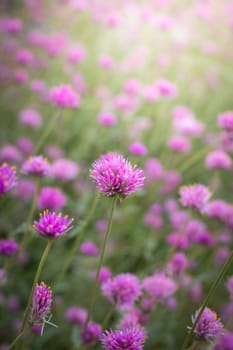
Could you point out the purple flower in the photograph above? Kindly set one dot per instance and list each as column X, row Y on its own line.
column 125, row 339
column 52, row 225
column 225, row 342
column 138, row 149
column 178, row 263
column 225, row 121
column 51, row 198
column 107, row 119
column 36, row 165
column 30, row 117
column 8, row 247
column 114, row 175
column 218, row 160
column 64, row 169
column 208, row 326
column 8, row 178
column 76, row 315
column 159, row 286
column 89, row 248
column 124, row 290
column 91, row 333
column 64, row 96
column 194, row 196
column 41, row 304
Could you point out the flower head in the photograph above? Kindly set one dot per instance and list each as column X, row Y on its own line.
column 64, row 96
column 76, row 315
column 159, row 286
column 225, row 342
column 208, row 326
column 125, row 339
column 124, row 290
column 8, row 247
column 91, row 333
column 36, row 165
column 52, row 225
column 225, row 120
column 41, row 304
column 194, row 196
column 51, row 198
column 114, row 175
column 7, row 178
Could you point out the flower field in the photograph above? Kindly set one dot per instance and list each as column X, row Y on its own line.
column 116, row 145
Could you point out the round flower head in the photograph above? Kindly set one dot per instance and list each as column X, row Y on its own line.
column 52, row 225
column 51, row 198
column 225, row 120
column 209, row 326
column 8, row 247
column 91, row 333
column 89, row 248
column 36, row 165
column 125, row 339
column 64, row 169
column 159, row 286
column 64, row 97
column 114, row 175
column 218, row 160
column 124, row 290
column 7, row 178
column 225, row 342
column 76, row 315
column 41, row 304
column 194, row 196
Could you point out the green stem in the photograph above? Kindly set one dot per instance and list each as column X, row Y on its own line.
column 36, row 279
column 46, row 132
column 106, row 238
column 206, row 301
column 77, row 241
column 31, row 214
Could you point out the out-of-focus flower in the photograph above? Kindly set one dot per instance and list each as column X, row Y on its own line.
column 225, row 120
column 208, row 326
column 76, row 315
column 24, row 190
column 52, row 225
column 194, row 196
column 107, row 119
column 91, row 333
column 218, row 160
column 159, row 286
column 51, row 198
column 36, row 165
column 124, row 290
column 8, row 178
column 114, row 175
column 64, row 96
column 30, row 117
column 138, row 149
column 8, row 247
column 124, row 339
column 179, row 144
column 89, row 248
column 64, row 169
column 225, row 342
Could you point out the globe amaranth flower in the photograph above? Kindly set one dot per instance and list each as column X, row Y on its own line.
column 64, row 96
column 8, row 247
column 218, row 160
column 91, row 333
column 51, row 198
column 8, row 178
column 114, row 175
column 159, row 286
column 225, row 342
column 41, row 304
column 76, row 315
column 52, row 225
column 209, row 326
column 36, row 165
column 194, row 196
column 124, row 339
column 225, row 120
column 124, row 290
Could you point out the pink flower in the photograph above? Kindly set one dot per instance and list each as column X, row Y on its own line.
column 64, row 96
column 194, row 196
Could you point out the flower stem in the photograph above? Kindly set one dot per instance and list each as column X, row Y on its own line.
column 106, row 238
column 206, row 301
column 77, row 241
column 46, row 132
column 36, row 279
column 31, row 214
